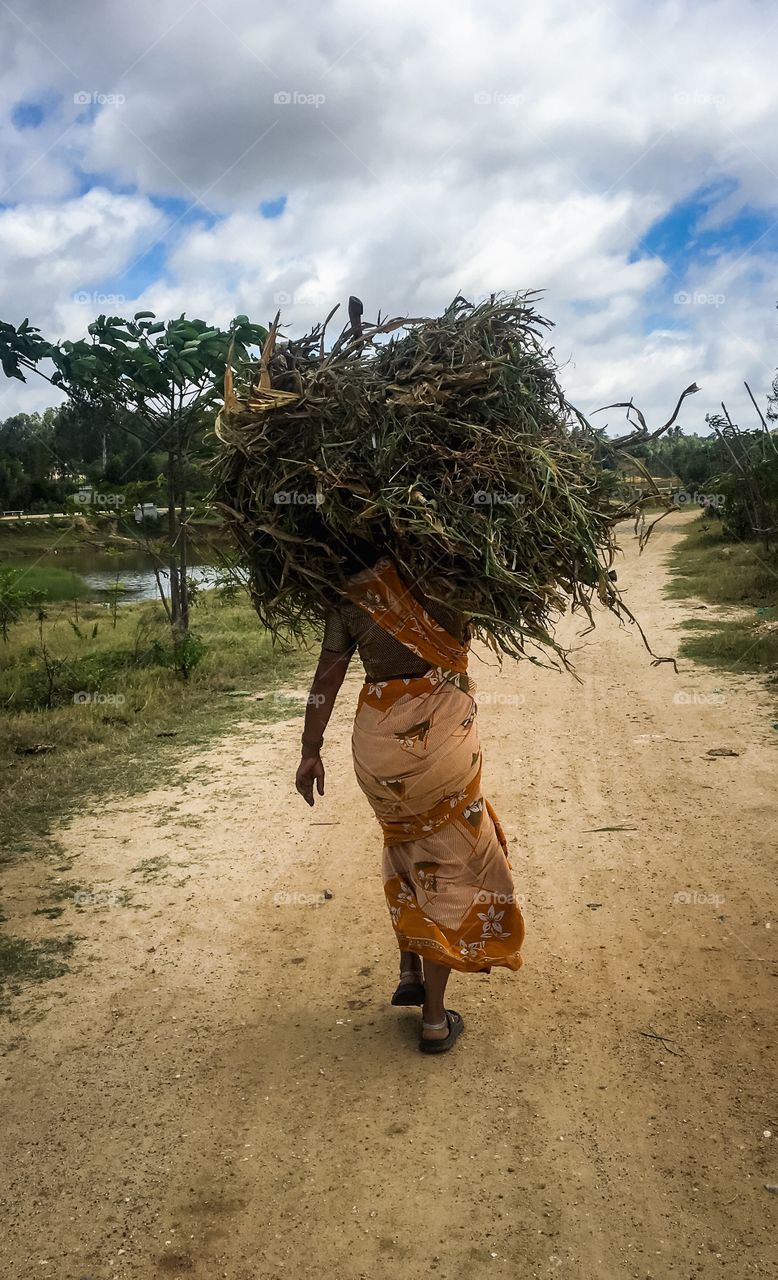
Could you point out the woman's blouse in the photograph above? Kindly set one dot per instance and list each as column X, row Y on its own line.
column 349, row 628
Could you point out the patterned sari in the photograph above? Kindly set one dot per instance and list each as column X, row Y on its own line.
column 417, row 757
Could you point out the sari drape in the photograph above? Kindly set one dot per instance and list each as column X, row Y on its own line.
column 417, row 758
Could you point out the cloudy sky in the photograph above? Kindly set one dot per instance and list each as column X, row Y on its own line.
column 218, row 158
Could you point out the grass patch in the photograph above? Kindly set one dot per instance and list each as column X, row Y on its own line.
column 52, row 584
column 735, row 646
column 719, row 571
column 28, row 537
column 117, row 721
column 152, row 870
column 114, row 722
column 742, row 579
column 24, row 961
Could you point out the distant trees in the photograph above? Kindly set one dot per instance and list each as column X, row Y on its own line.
column 694, row 459
column 737, row 465
column 748, row 482
column 29, row 472
column 141, row 395
column 44, row 457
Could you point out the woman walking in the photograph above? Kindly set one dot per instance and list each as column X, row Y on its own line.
column 417, row 758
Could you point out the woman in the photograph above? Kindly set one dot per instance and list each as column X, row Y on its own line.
column 417, row 758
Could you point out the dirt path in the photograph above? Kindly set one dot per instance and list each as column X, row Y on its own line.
column 223, row 1091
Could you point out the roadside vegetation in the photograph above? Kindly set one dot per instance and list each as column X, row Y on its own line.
column 738, row 580
column 94, row 704
column 94, row 707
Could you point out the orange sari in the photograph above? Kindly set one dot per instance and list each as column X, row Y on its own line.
column 417, row 757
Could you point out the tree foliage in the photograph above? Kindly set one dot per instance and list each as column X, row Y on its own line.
column 154, row 382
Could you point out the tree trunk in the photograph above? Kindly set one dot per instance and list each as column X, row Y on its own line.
column 183, row 585
column 172, row 532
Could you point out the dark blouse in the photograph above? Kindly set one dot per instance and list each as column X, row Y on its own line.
column 349, row 628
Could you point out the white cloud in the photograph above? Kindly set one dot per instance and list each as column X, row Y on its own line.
column 404, row 185
column 50, row 252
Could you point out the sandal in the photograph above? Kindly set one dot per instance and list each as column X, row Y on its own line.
column 410, row 990
column 456, row 1026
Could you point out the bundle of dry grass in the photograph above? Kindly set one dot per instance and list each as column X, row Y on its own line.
column 447, row 442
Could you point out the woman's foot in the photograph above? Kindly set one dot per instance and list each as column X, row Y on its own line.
column 434, row 1024
column 439, row 1039
column 410, row 988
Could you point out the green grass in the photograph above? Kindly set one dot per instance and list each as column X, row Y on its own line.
column 134, row 718
column 52, row 585
column 22, row 538
column 116, row 721
column 741, row 581
column 720, row 571
column 735, row 646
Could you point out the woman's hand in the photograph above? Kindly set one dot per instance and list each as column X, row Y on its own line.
column 329, row 676
column 310, row 770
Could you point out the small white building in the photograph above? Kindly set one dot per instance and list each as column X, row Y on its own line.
column 145, row 511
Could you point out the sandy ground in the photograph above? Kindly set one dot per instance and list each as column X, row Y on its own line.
column 219, row 1088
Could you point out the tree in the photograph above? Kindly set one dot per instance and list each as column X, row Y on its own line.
column 21, row 348
column 159, row 380
column 30, row 475
column 749, row 482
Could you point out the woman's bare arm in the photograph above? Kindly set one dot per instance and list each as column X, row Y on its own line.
column 328, row 678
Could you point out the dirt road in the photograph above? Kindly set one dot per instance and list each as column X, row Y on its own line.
column 220, row 1089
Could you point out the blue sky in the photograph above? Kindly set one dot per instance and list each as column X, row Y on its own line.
column 625, row 164
column 679, row 239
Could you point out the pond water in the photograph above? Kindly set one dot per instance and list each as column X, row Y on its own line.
column 136, row 575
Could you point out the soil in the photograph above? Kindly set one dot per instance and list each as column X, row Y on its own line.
column 219, row 1087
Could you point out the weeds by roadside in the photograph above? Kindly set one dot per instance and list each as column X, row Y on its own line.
column 741, row 581
column 22, row 961
column 89, row 709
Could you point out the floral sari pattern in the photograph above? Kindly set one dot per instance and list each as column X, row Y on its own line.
column 417, row 757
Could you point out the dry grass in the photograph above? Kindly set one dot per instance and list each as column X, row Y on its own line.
column 110, row 741
column 450, row 446
column 740, row 578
